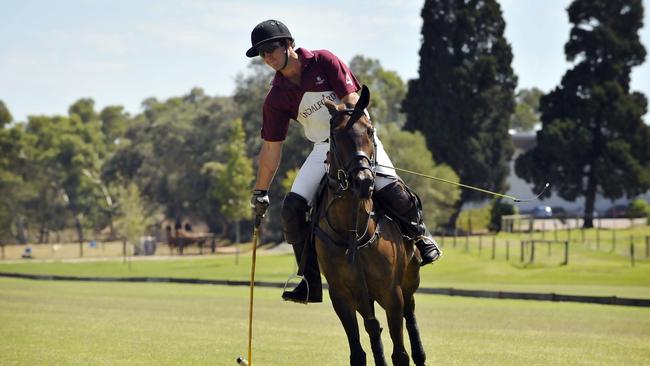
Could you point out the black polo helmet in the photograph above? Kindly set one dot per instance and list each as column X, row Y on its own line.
column 268, row 30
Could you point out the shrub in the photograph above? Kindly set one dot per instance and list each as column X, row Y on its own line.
column 638, row 208
column 475, row 220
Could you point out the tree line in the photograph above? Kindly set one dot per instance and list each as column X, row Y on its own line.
column 186, row 158
column 193, row 156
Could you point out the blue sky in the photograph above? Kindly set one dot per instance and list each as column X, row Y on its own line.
column 122, row 52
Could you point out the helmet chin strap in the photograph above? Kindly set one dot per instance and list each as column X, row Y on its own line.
column 286, row 58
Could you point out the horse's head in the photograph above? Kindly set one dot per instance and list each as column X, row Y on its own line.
column 352, row 146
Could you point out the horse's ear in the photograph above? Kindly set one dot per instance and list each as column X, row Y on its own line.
column 364, row 99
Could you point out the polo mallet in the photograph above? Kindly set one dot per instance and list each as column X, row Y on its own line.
column 513, row 198
column 240, row 360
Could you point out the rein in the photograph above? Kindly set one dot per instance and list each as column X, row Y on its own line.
column 339, row 185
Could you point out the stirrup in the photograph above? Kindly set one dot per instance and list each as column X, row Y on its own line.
column 303, row 279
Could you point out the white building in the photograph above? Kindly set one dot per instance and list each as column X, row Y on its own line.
column 520, row 189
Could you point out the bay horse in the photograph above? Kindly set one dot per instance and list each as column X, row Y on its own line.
column 361, row 254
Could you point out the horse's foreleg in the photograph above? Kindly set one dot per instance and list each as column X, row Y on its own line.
column 348, row 317
column 395, row 314
column 417, row 351
column 374, row 331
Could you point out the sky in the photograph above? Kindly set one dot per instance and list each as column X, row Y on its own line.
column 121, row 52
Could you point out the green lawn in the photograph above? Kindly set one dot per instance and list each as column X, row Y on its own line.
column 70, row 323
column 589, row 272
column 596, row 266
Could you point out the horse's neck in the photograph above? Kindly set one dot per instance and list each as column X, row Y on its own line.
column 344, row 212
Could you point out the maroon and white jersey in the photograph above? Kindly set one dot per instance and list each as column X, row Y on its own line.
column 324, row 76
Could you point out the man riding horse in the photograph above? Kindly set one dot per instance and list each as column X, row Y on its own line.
column 303, row 81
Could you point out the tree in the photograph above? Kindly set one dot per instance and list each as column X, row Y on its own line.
column 133, row 220
column 15, row 190
column 387, row 90
column 85, row 109
column 593, row 139
column 114, row 124
column 5, row 115
column 63, row 149
column 526, row 114
column 165, row 148
column 233, row 179
column 464, row 96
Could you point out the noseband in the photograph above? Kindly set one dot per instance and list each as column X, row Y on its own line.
column 355, row 163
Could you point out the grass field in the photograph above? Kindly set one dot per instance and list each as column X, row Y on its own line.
column 590, row 271
column 69, row 323
column 83, row 323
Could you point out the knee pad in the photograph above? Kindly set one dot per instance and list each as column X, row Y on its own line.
column 294, row 218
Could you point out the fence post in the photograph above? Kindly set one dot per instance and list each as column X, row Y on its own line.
column 124, row 250
column 632, row 250
column 532, row 252
column 455, row 235
column 81, row 249
column 521, row 252
column 647, row 246
column 597, row 235
column 507, row 250
column 494, row 244
column 566, row 253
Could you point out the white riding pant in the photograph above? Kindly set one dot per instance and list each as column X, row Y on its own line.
column 314, row 168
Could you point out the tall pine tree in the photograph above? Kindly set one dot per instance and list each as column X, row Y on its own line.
column 593, row 139
column 464, row 96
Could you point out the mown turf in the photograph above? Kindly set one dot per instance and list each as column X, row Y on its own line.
column 70, row 323
column 590, row 273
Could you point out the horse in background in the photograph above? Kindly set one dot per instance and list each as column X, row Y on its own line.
column 181, row 237
column 361, row 254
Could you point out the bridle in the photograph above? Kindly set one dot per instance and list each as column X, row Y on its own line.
column 340, row 182
column 355, row 163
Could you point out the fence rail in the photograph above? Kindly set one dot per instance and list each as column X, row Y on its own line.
column 540, row 249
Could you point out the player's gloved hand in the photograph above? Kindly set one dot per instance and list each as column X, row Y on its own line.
column 260, row 202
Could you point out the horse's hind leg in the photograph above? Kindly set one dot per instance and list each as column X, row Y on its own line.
column 417, row 351
column 374, row 331
column 348, row 317
column 394, row 314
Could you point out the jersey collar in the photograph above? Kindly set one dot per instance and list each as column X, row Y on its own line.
column 305, row 55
